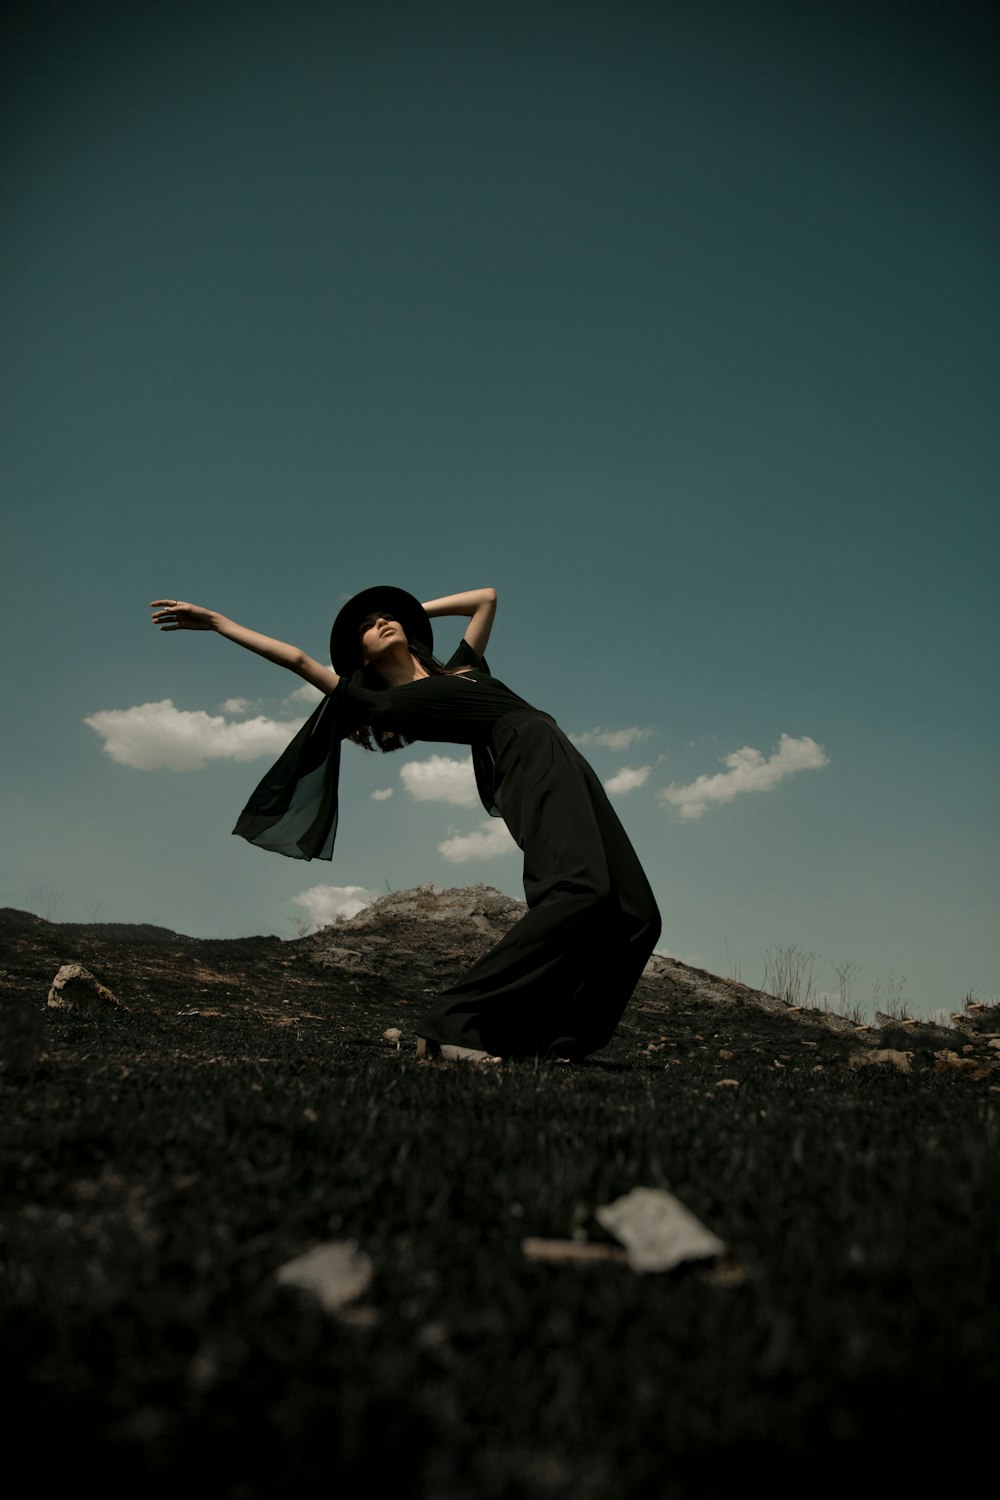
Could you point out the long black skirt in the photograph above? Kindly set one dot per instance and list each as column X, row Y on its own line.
column 558, row 982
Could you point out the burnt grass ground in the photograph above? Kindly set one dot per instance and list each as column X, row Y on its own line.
column 161, row 1163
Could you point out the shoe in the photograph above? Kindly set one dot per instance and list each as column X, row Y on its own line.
column 449, row 1052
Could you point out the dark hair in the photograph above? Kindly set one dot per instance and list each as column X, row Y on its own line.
column 366, row 677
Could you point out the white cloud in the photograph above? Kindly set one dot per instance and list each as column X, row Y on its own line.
column 612, row 739
column 325, row 903
column 382, row 794
column 158, row 736
column 486, row 842
column 305, row 693
column 237, row 705
column 626, row 780
column 749, row 771
column 441, row 779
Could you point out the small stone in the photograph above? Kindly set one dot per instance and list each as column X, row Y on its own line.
column 883, row 1056
column 948, row 1061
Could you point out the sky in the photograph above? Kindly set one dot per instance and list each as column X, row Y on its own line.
column 676, row 323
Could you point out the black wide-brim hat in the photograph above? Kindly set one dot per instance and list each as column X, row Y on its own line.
column 345, row 643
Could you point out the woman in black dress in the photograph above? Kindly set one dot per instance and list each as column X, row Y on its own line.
column 557, row 983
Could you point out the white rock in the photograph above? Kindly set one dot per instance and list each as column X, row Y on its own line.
column 658, row 1232
column 74, row 985
column 335, row 1273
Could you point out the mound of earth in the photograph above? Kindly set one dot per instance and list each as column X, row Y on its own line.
column 376, row 970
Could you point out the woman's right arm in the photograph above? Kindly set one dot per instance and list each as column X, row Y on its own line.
column 174, row 614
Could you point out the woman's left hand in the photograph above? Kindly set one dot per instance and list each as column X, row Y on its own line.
column 175, row 614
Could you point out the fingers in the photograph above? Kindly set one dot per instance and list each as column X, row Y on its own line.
column 177, row 614
column 167, row 617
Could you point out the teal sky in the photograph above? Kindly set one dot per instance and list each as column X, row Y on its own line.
column 677, row 323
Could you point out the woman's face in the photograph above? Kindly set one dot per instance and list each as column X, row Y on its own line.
column 378, row 632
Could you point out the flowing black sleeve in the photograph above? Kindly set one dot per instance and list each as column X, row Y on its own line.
column 293, row 810
column 483, row 760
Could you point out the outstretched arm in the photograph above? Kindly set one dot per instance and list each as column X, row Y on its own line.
column 174, row 614
column 479, row 604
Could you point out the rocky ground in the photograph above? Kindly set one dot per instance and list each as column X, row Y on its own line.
column 184, row 1129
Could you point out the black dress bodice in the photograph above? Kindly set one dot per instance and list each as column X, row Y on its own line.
column 458, row 709
column 294, row 809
